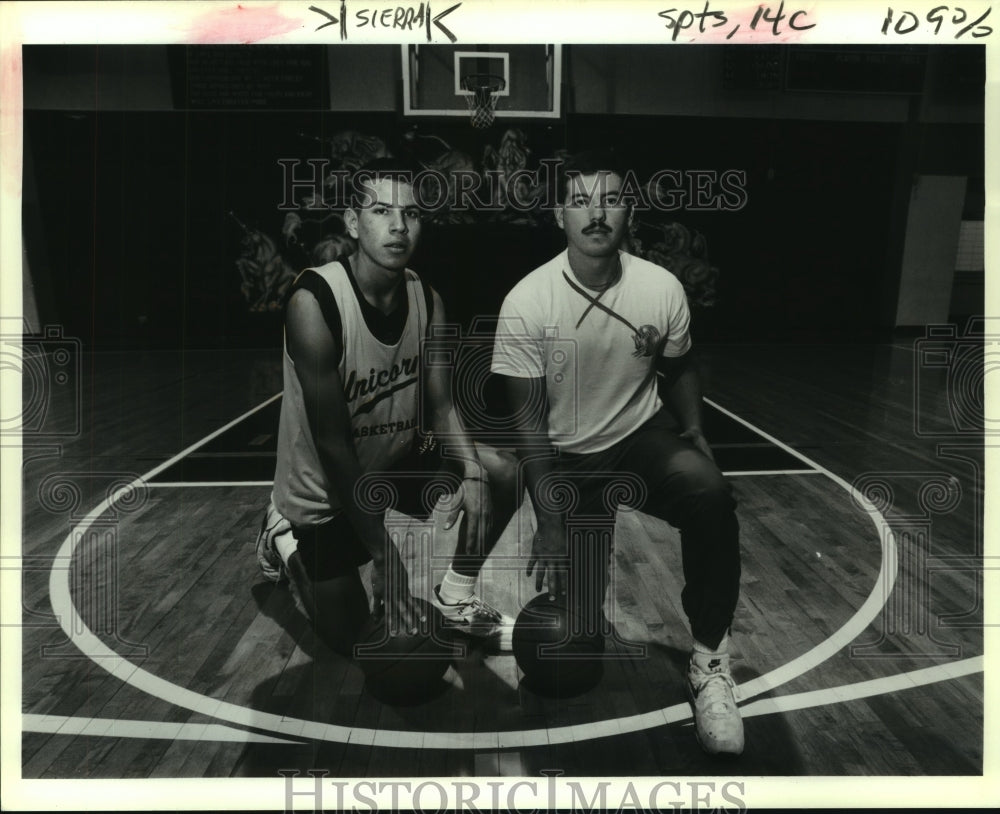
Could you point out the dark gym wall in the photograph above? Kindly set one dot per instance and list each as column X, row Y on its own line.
column 133, row 194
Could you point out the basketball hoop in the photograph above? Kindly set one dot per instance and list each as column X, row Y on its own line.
column 483, row 91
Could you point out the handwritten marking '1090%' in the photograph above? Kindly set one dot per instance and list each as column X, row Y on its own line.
column 764, row 20
column 939, row 17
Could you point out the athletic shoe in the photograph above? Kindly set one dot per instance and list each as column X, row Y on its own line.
column 473, row 617
column 272, row 526
column 717, row 722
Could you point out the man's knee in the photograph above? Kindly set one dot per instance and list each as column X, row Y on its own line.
column 713, row 493
column 699, row 491
column 699, row 479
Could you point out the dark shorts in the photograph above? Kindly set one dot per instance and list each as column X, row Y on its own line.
column 412, row 486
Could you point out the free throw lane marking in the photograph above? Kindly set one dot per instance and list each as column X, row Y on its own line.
column 85, row 639
column 772, row 439
column 202, row 484
column 744, row 472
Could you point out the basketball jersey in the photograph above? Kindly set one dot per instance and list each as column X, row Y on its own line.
column 380, row 388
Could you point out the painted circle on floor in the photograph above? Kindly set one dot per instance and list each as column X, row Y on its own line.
column 295, row 728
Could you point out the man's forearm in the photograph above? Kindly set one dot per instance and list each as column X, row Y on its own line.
column 448, row 425
column 343, row 472
column 537, row 457
column 684, row 397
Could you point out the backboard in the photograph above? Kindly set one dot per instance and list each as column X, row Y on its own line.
column 532, row 74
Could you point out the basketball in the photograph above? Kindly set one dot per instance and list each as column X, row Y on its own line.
column 557, row 656
column 407, row 668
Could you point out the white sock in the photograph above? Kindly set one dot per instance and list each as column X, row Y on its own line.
column 703, row 654
column 721, row 650
column 456, row 587
column 286, row 545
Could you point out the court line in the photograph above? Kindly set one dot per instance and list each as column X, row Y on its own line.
column 200, row 456
column 156, row 470
column 200, row 484
column 865, row 689
column 112, row 728
column 869, row 609
column 84, row 638
column 739, row 473
column 154, row 730
column 795, row 453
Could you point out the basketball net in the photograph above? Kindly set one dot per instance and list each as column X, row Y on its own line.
column 482, row 100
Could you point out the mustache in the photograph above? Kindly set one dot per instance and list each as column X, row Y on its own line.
column 596, row 226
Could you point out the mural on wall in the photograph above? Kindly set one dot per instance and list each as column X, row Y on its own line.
column 265, row 275
column 315, row 233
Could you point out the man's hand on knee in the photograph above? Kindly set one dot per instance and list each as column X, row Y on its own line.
column 697, row 437
column 549, row 559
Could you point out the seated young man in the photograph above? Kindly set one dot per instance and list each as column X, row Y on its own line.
column 350, row 425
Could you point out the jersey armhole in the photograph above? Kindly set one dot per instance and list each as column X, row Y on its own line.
column 310, row 280
column 429, row 304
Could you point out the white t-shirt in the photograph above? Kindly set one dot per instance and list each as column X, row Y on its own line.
column 598, row 360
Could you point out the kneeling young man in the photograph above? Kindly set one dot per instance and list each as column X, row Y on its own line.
column 591, row 330
column 349, row 425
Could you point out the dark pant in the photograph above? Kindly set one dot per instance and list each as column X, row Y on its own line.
column 662, row 474
column 411, row 486
column 324, row 568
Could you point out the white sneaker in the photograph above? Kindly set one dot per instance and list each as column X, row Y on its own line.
column 473, row 617
column 717, row 722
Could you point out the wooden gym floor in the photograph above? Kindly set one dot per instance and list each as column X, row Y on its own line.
column 153, row 648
